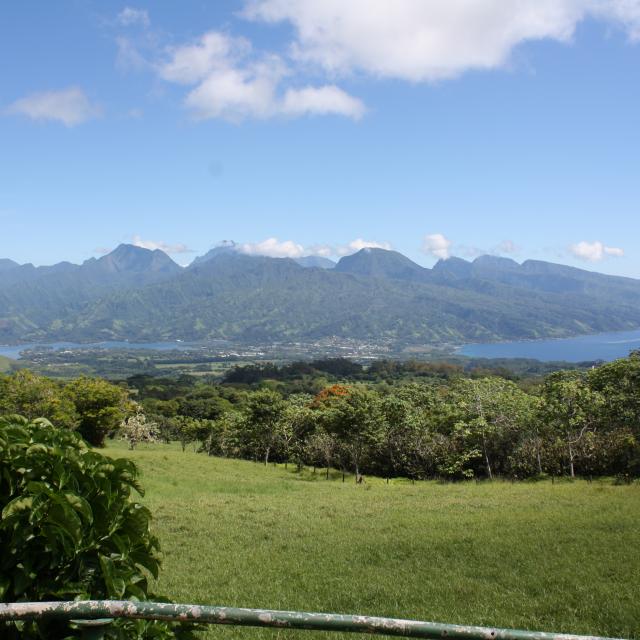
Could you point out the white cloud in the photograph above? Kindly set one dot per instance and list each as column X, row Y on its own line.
column 420, row 40
column 233, row 82
column 595, row 251
column 188, row 64
column 322, row 101
column 358, row 244
column 273, row 248
column 163, row 246
column 130, row 16
column 625, row 12
column 437, row 245
column 69, row 106
column 235, row 94
column 615, row 252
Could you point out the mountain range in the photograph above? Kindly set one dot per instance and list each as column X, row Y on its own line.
column 375, row 294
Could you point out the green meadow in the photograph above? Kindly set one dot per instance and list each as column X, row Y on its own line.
column 559, row 557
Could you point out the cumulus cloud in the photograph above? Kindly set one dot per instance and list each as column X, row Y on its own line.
column 322, row 101
column 412, row 40
column 70, row 106
column 233, row 82
column 191, row 63
column 594, row 251
column 273, row 248
column 163, row 246
column 437, row 245
column 426, row 41
column 130, row 16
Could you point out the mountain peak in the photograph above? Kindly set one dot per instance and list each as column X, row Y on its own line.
column 381, row 263
column 452, row 268
column 131, row 258
column 496, row 262
column 224, row 248
column 7, row 265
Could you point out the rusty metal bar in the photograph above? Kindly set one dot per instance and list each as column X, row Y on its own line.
column 101, row 609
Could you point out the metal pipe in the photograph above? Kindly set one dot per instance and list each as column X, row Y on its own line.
column 94, row 609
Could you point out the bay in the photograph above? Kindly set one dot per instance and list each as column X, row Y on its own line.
column 601, row 346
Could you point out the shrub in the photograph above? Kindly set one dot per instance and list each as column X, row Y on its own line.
column 136, row 429
column 101, row 407
column 69, row 528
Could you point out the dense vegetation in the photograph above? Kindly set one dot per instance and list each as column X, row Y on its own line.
column 444, row 425
column 414, row 420
column 92, row 406
column 374, row 295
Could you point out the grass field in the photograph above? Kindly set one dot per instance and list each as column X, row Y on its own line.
column 562, row 557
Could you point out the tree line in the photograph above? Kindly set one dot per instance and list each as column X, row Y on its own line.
column 442, row 422
column 440, row 426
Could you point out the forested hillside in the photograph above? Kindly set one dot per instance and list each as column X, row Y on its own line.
column 136, row 294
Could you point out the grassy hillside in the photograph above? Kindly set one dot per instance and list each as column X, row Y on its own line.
column 557, row 557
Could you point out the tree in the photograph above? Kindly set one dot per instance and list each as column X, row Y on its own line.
column 136, row 429
column 101, row 407
column 356, row 422
column 35, row 396
column 298, row 422
column 322, row 447
column 494, row 412
column 570, row 408
column 619, row 384
column 263, row 414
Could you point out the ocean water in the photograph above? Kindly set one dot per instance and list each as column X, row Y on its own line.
column 601, row 346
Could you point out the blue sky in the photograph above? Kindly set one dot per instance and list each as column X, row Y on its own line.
column 320, row 126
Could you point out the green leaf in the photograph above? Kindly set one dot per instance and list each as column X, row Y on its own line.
column 17, row 506
column 79, row 504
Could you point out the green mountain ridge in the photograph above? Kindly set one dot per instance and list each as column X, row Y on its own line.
column 373, row 295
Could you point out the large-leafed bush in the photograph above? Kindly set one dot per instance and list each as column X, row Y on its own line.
column 70, row 527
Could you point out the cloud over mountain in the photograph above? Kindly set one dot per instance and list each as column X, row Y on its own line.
column 437, row 245
column 595, row 251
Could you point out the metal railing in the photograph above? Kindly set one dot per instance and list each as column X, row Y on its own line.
column 95, row 616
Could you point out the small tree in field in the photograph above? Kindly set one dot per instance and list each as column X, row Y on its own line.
column 136, row 429
column 322, row 447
